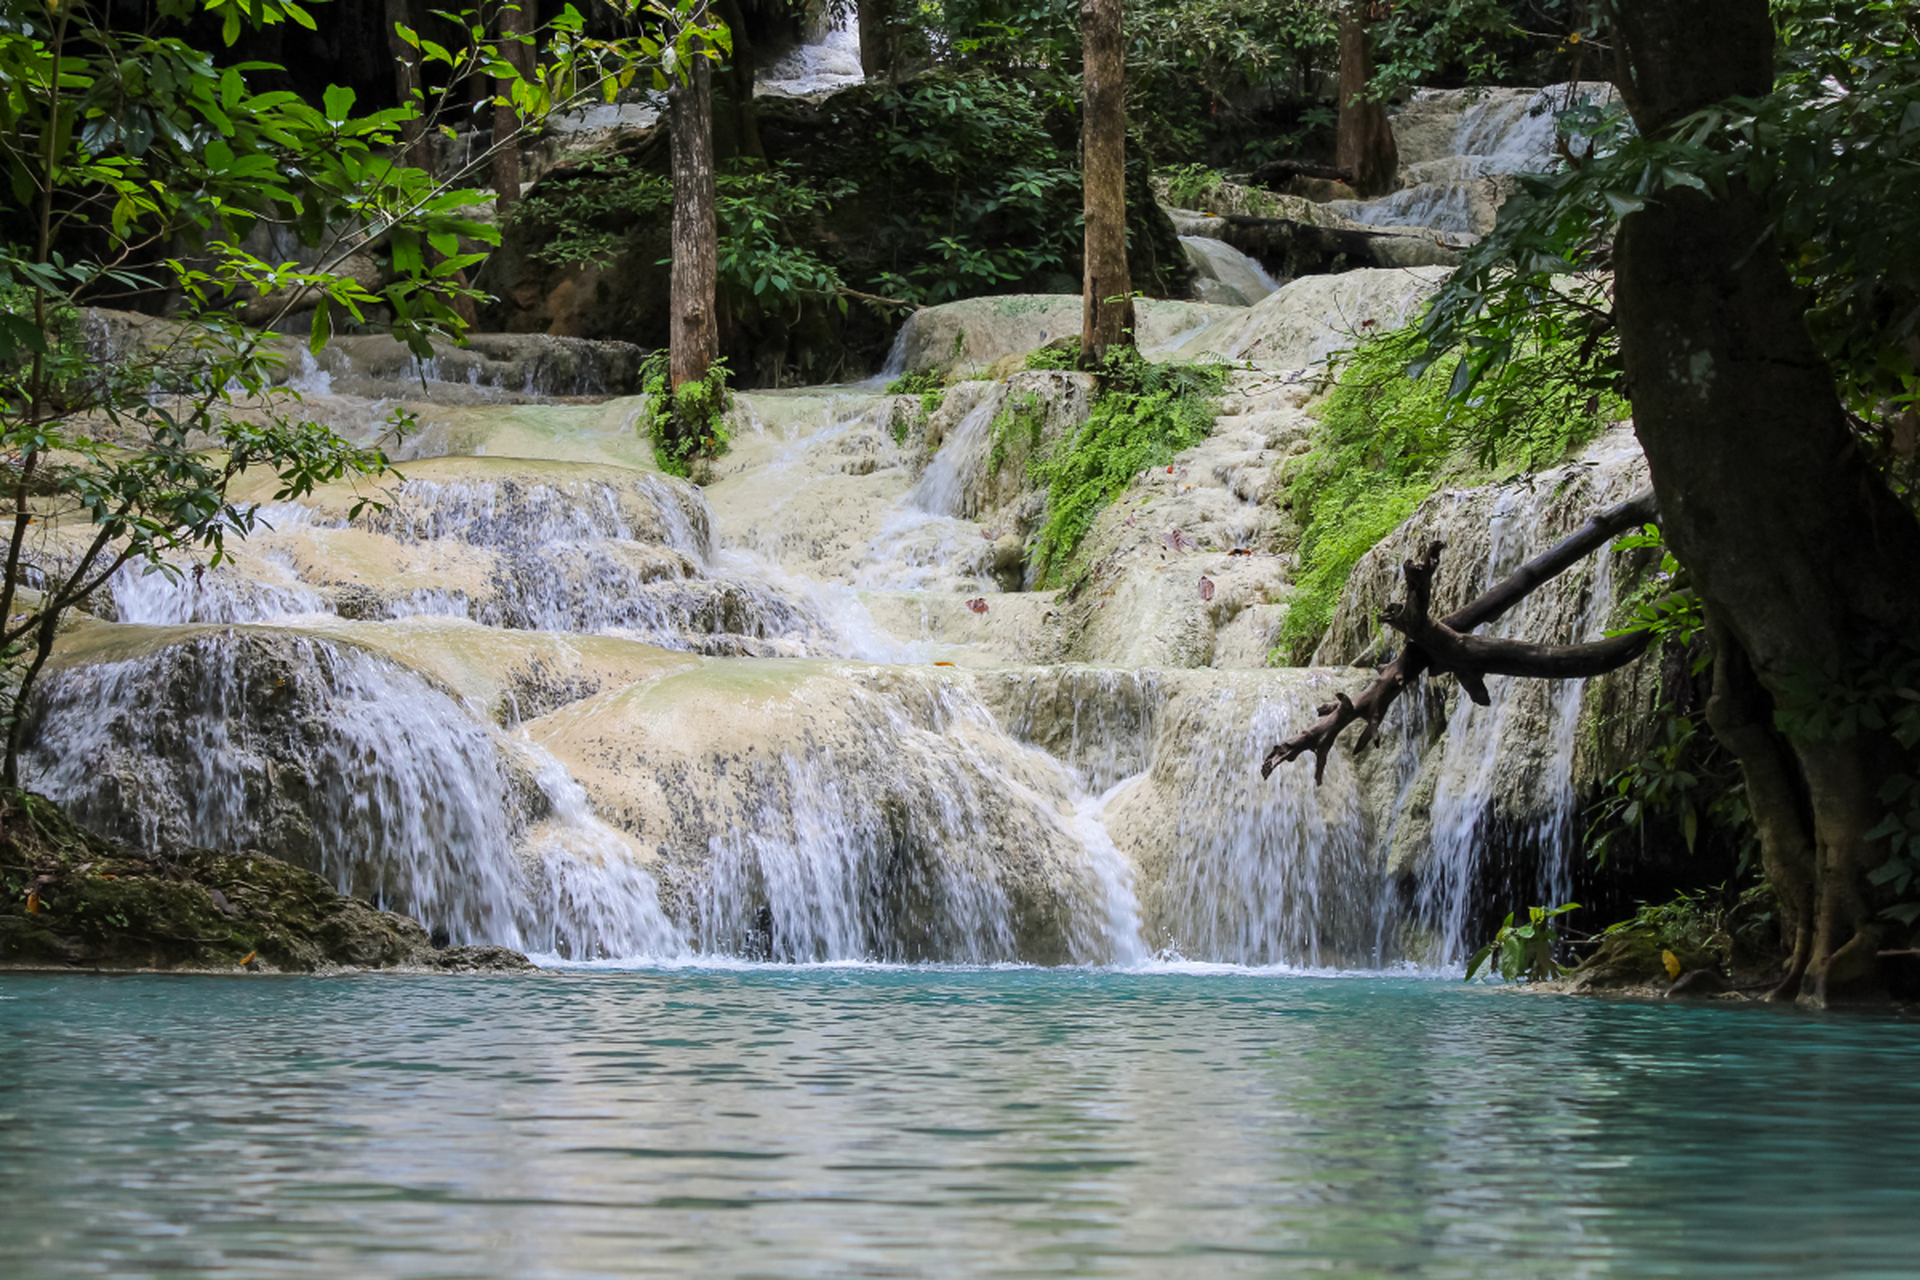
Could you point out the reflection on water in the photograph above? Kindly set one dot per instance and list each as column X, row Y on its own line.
column 914, row 1122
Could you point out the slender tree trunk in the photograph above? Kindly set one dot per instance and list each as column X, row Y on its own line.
column 406, row 82
column 513, row 20
column 875, row 19
column 693, row 331
column 1363, row 138
column 1106, row 288
column 740, row 76
column 1795, row 545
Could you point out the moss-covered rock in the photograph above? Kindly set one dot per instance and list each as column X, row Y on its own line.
column 68, row 897
column 1709, row 944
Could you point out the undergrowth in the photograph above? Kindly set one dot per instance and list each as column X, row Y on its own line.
column 1144, row 414
column 1386, row 441
column 688, row 426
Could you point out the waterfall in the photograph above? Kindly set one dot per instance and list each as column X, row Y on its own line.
column 348, row 764
column 1241, row 869
column 1497, row 133
column 869, row 744
column 1482, row 751
column 943, row 490
column 828, row 60
column 1483, row 809
column 1224, row 274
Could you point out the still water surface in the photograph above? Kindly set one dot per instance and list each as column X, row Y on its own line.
column 938, row 1122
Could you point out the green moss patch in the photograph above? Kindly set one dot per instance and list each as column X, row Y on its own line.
column 71, row 898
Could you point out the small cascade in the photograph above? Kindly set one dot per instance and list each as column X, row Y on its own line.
column 512, row 513
column 345, row 763
column 1242, row 869
column 1496, row 134
column 828, row 61
column 1486, row 795
column 1224, row 275
column 1482, row 808
column 943, row 490
column 1098, row 721
column 154, row 597
column 862, row 813
column 590, row 898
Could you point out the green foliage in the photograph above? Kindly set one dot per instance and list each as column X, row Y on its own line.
column 763, row 212
column 687, row 424
column 1712, row 928
column 1833, row 150
column 1188, row 184
column 1685, row 777
column 1387, row 439
column 1060, row 354
column 1524, row 951
column 1144, row 415
column 915, row 384
column 958, row 183
column 589, row 218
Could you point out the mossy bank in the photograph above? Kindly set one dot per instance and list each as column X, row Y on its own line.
column 71, row 899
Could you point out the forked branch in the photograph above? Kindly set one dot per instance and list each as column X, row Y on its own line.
column 1444, row 646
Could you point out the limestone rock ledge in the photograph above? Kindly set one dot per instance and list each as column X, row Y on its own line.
column 69, row 898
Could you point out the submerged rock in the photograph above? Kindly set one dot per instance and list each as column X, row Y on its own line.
column 70, row 897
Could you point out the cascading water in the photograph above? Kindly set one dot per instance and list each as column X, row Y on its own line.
column 1498, row 133
column 1484, row 808
column 704, row 752
column 1248, row 870
column 1480, row 745
column 827, row 61
column 350, row 765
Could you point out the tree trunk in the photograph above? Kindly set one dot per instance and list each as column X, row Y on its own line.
column 740, row 77
column 1363, row 138
column 512, row 22
column 693, row 332
column 1107, row 304
column 875, row 19
column 406, row 83
column 1795, row 545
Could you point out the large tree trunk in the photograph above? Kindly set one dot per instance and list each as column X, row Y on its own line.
column 513, row 21
column 1363, row 137
column 1108, row 306
column 693, row 336
column 1795, row 546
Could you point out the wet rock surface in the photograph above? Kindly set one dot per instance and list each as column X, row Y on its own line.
column 75, row 899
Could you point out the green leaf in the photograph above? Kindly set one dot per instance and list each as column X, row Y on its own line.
column 1480, row 958
column 18, row 334
column 337, row 102
column 322, row 328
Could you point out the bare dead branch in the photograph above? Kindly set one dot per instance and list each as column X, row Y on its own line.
column 1444, row 647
